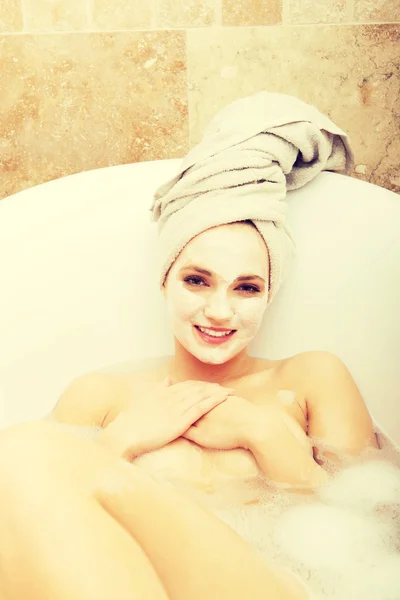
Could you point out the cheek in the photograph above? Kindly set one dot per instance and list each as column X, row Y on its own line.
column 251, row 311
column 182, row 304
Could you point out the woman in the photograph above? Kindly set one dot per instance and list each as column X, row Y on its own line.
column 86, row 524
column 281, row 404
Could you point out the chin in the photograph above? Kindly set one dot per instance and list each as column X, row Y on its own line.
column 209, row 360
column 217, row 358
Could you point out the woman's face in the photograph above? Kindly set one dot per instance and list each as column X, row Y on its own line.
column 219, row 280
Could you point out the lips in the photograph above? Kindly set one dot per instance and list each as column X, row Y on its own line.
column 213, row 339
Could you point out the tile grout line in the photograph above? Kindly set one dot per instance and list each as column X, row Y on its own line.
column 89, row 13
column 187, row 87
column 155, row 9
column 218, row 13
column 350, row 10
column 148, row 29
column 285, row 12
column 23, row 13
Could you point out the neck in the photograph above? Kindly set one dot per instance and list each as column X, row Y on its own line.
column 184, row 366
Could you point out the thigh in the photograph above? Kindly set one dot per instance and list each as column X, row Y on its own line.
column 56, row 540
column 195, row 555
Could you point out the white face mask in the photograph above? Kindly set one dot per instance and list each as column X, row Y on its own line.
column 219, row 300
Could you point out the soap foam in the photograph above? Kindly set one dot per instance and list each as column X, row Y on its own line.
column 344, row 540
column 352, row 486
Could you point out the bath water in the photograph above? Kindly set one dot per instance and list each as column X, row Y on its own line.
column 343, row 541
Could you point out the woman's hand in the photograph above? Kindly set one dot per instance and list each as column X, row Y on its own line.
column 161, row 416
column 280, row 446
column 228, row 426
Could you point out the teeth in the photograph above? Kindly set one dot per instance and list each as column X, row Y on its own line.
column 215, row 333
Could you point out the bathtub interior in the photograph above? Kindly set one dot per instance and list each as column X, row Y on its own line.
column 78, row 266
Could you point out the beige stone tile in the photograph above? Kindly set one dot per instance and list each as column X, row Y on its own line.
column 348, row 72
column 185, row 13
column 74, row 102
column 251, row 12
column 315, row 11
column 122, row 14
column 54, row 15
column 10, row 15
column 377, row 10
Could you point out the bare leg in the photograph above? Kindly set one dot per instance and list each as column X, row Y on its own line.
column 56, row 541
column 85, row 524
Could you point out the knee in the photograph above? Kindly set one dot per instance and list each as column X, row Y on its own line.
column 35, row 474
column 23, row 447
column 38, row 451
column 17, row 440
column 23, row 467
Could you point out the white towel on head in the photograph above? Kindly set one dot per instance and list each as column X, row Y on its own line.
column 253, row 151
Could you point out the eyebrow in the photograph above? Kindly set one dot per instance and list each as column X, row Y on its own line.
column 209, row 274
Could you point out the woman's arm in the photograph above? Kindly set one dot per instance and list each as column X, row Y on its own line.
column 338, row 418
column 281, row 456
column 339, row 423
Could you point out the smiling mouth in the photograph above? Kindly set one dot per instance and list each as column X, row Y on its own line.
column 214, row 337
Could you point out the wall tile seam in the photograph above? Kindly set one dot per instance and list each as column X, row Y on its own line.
column 189, row 29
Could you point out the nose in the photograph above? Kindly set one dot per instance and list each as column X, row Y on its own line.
column 218, row 308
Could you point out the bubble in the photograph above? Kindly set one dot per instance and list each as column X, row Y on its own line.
column 343, row 541
column 364, row 486
column 329, row 536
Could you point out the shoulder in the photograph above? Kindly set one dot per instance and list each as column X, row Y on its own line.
column 88, row 399
column 314, row 369
column 336, row 411
column 326, row 382
column 313, row 359
column 96, row 398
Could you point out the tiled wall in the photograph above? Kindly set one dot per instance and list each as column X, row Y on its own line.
column 91, row 83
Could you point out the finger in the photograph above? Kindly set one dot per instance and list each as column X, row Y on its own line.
column 205, row 389
column 193, row 397
column 196, row 410
column 190, row 434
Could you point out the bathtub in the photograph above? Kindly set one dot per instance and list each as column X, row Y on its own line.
column 79, row 285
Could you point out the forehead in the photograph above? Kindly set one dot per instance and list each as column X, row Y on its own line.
column 228, row 250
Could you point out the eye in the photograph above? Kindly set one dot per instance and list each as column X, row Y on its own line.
column 194, row 280
column 249, row 289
